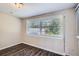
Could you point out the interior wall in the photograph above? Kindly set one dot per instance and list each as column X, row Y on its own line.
column 70, row 32
column 46, row 43
column 10, row 30
column 54, row 45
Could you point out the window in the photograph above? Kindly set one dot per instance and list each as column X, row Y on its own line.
column 50, row 26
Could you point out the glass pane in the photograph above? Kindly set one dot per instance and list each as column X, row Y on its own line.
column 52, row 27
column 33, row 27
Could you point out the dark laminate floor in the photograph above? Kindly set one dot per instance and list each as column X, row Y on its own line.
column 25, row 50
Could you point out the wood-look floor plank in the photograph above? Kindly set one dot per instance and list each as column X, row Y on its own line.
column 25, row 50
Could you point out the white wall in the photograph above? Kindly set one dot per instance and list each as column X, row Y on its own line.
column 70, row 32
column 10, row 29
column 58, row 45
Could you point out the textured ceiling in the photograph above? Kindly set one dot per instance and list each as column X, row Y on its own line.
column 32, row 9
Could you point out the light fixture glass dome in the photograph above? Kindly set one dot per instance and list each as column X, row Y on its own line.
column 18, row 5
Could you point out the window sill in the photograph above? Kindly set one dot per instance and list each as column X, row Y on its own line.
column 46, row 37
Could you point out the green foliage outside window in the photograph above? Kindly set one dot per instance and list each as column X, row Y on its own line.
column 53, row 27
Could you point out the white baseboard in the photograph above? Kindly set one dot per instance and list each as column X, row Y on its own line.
column 45, row 49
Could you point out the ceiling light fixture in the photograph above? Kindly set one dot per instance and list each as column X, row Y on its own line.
column 19, row 5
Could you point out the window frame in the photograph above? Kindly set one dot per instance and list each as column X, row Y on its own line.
column 46, row 36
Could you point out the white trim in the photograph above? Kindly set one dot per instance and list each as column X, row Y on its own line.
column 46, row 49
column 46, row 37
